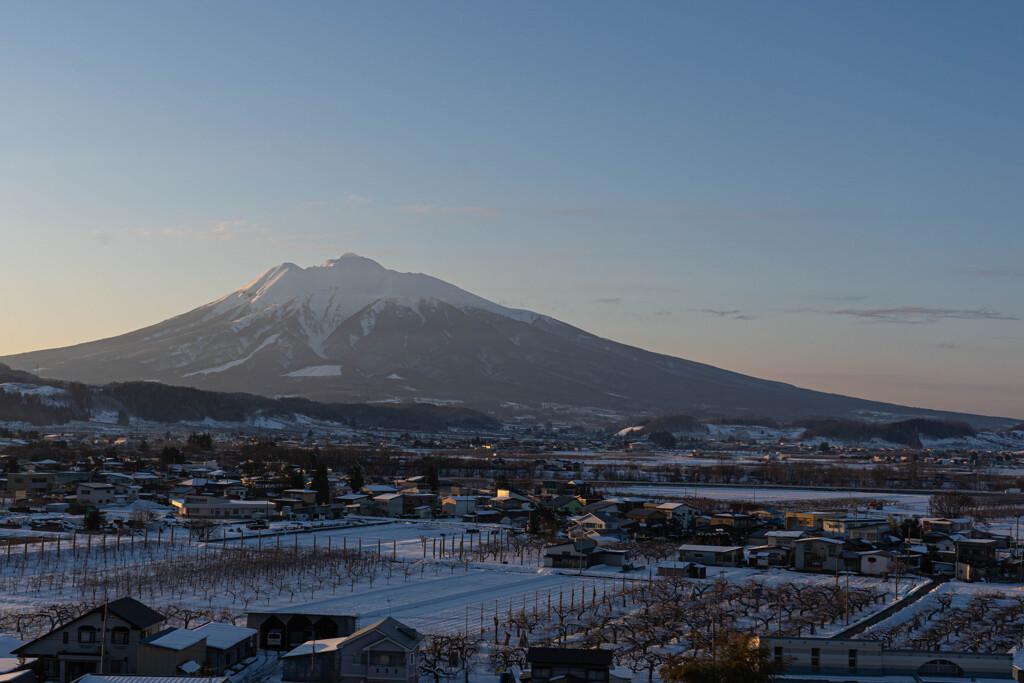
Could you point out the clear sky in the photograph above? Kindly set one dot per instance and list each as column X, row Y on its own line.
column 828, row 194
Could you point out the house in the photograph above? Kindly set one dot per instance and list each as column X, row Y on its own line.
column 182, row 651
column 784, row 537
column 712, row 555
column 764, row 556
column 171, row 652
column 388, row 505
column 737, row 520
column 602, row 523
column 30, row 483
column 944, row 525
column 817, row 554
column 93, row 494
column 844, row 658
column 810, row 520
column 211, row 507
column 869, row 562
column 457, row 506
column 572, row 665
column 73, row 649
column 583, row 554
column 227, row 645
column 384, row 652
column 566, row 505
column 863, row 528
column 680, row 513
column 306, row 496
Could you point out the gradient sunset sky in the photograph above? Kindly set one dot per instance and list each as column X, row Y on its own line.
column 827, row 194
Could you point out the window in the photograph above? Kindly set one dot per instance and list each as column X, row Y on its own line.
column 815, row 658
column 853, row 661
column 86, row 634
column 778, row 653
column 118, row 666
column 65, row 637
column 119, row 636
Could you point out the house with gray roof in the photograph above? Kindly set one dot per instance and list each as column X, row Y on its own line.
column 73, row 650
column 383, row 652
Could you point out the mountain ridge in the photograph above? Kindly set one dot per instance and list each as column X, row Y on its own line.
column 351, row 330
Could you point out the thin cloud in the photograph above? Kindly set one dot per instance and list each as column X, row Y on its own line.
column 550, row 254
column 439, row 210
column 610, row 300
column 731, row 315
column 919, row 315
column 357, row 199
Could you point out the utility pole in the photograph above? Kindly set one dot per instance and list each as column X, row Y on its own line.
column 103, row 633
column 847, row 597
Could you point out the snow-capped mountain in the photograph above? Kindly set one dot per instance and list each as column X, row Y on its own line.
column 351, row 330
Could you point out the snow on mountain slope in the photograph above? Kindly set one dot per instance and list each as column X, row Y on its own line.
column 345, row 330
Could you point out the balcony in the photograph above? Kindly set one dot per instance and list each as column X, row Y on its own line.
column 387, row 673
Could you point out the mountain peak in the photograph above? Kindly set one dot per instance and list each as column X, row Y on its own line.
column 350, row 259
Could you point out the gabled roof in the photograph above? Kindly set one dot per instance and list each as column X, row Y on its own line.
column 389, row 628
column 395, row 631
column 129, row 609
column 222, row 636
column 134, row 612
column 823, row 539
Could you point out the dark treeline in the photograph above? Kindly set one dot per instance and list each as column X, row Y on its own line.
column 171, row 404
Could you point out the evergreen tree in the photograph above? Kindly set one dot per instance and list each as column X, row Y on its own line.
column 433, row 483
column 93, row 520
column 321, row 485
column 356, row 478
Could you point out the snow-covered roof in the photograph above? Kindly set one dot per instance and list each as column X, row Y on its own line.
column 825, row 539
column 222, row 636
column 709, row 548
column 178, row 639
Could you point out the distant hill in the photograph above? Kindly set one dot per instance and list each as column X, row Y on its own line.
column 352, row 331
column 27, row 398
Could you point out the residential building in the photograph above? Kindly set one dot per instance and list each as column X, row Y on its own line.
column 816, row 658
column 210, row 507
column 384, row 652
column 712, row 555
column 817, row 554
column 73, row 649
column 582, row 554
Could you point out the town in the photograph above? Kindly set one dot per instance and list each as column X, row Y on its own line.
column 533, row 555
